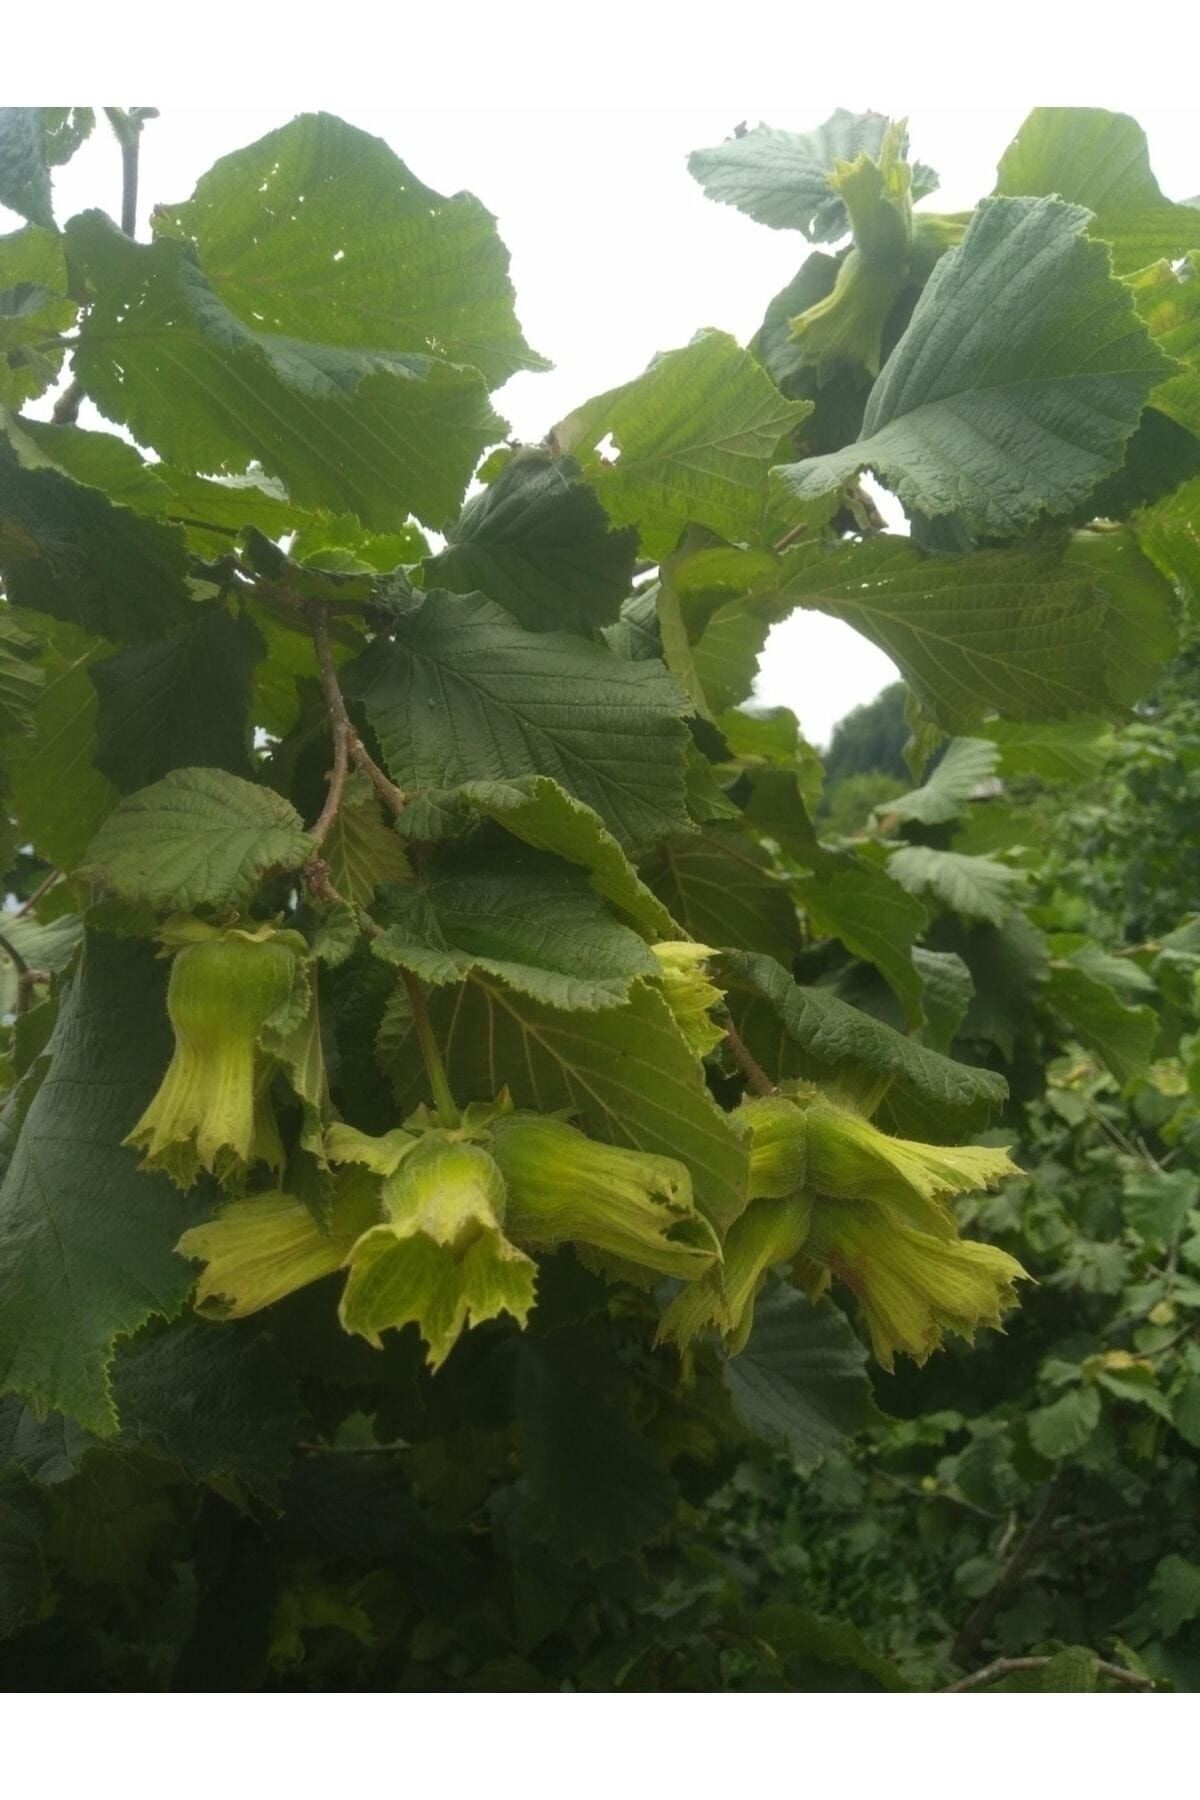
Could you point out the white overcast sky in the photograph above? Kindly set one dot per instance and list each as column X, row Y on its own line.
column 616, row 253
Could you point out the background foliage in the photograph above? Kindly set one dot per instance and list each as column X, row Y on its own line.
column 515, row 1027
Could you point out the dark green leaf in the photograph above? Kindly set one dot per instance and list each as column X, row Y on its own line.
column 801, row 1378
column 719, row 887
column 218, row 1399
column 378, row 433
column 598, row 1485
column 462, row 694
column 530, row 921
column 1017, row 384
column 183, row 702
column 823, row 1038
column 86, row 1240
column 538, row 543
column 67, row 550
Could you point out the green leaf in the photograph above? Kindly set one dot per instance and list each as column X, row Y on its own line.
column 718, row 885
column 1170, row 304
column 1008, row 968
column 40, row 947
column 810, row 1647
column 538, row 543
column 966, row 765
column 976, row 887
column 1070, row 752
column 1187, row 1411
column 873, row 915
column 1065, row 1426
column 1169, row 533
column 46, row 1449
column 210, row 513
column 1070, row 1671
column 67, row 550
column 1136, row 1383
column 58, row 793
column 377, row 433
column 319, row 231
column 23, row 1584
column 1100, row 160
column 538, row 812
column 1043, row 632
column 24, row 165
column 823, row 1038
column 218, row 1399
column 598, row 1486
column 781, row 178
column 801, row 1378
column 713, row 620
column 198, row 837
column 1156, row 1203
column 947, row 996
column 1123, row 1037
column 1173, row 1599
column 462, row 694
column 529, row 921
column 84, row 1261
column 626, row 1075
column 34, row 308
column 1020, row 378
column 362, row 849
column 695, row 435
column 21, row 682
column 181, row 702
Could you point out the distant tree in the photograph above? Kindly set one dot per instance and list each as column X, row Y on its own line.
column 870, row 740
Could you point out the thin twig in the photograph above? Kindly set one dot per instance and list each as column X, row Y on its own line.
column 975, row 1626
column 43, row 887
column 1014, row 1665
column 339, row 719
column 396, row 1449
column 27, row 978
column 755, row 1074
column 337, row 783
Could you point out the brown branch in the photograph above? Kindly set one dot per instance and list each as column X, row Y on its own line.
column 975, row 1626
column 1014, row 1665
column 755, row 1074
column 337, row 783
column 339, row 719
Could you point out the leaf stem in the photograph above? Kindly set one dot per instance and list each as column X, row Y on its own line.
column 755, row 1074
column 447, row 1111
column 43, row 887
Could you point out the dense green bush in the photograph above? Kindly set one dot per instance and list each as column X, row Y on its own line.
column 471, row 1117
